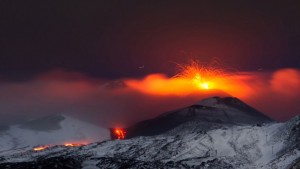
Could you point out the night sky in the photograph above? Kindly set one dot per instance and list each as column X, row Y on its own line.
column 65, row 56
column 111, row 39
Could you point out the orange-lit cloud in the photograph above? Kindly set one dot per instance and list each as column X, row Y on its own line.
column 159, row 84
column 126, row 101
column 275, row 93
column 195, row 78
column 286, row 81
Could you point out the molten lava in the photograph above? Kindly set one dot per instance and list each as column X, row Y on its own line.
column 73, row 144
column 119, row 133
column 40, row 148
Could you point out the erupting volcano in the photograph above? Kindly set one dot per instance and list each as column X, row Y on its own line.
column 149, row 84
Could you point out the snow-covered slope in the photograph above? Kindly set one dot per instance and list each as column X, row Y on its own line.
column 272, row 145
column 212, row 134
column 50, row 130
column 228, row 110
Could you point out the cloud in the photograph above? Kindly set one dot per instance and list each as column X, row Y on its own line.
column 105, row 102
column 125, row 101
column 286, row 82
column 275, row 93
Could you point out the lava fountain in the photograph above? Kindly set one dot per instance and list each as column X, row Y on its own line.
column 204, row 77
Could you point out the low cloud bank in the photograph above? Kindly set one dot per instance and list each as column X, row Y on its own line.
column 125, row 101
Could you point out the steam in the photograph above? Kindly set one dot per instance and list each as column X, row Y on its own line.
column 125, row 101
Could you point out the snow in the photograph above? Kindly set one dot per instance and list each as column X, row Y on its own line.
column 192, row 143
column 289, row 159
column 245, row 145
column 71, row 130
column 242, row 146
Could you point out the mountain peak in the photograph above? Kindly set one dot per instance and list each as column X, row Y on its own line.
column 218, row 101
column 233, row 103
column 227, row 110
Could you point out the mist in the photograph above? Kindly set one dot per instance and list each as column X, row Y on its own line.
column 122, row 102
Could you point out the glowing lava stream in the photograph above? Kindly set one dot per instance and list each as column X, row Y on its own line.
column 40, row 148
column 72, row 144
column 66, row 145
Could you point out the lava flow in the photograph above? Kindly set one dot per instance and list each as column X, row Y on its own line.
column 40, row 148
column 119, row 133
column 73, row 144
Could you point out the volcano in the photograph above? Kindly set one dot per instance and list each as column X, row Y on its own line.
column 212, row 111
column 214, row 133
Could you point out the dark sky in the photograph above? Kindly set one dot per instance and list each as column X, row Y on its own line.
column 111, row 39
column 56, row 56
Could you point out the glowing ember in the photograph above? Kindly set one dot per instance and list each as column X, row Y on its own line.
column 204, row 77
column 120, row 133
column 40, row 148
column 72, row 144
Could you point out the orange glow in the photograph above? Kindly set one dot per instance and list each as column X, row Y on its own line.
column 158, row 84
column 202, row 84
column 120, row 133
column 202, row 76
column 73, row 144
column 194, row 78
column 40, row 148
column 286, row 82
